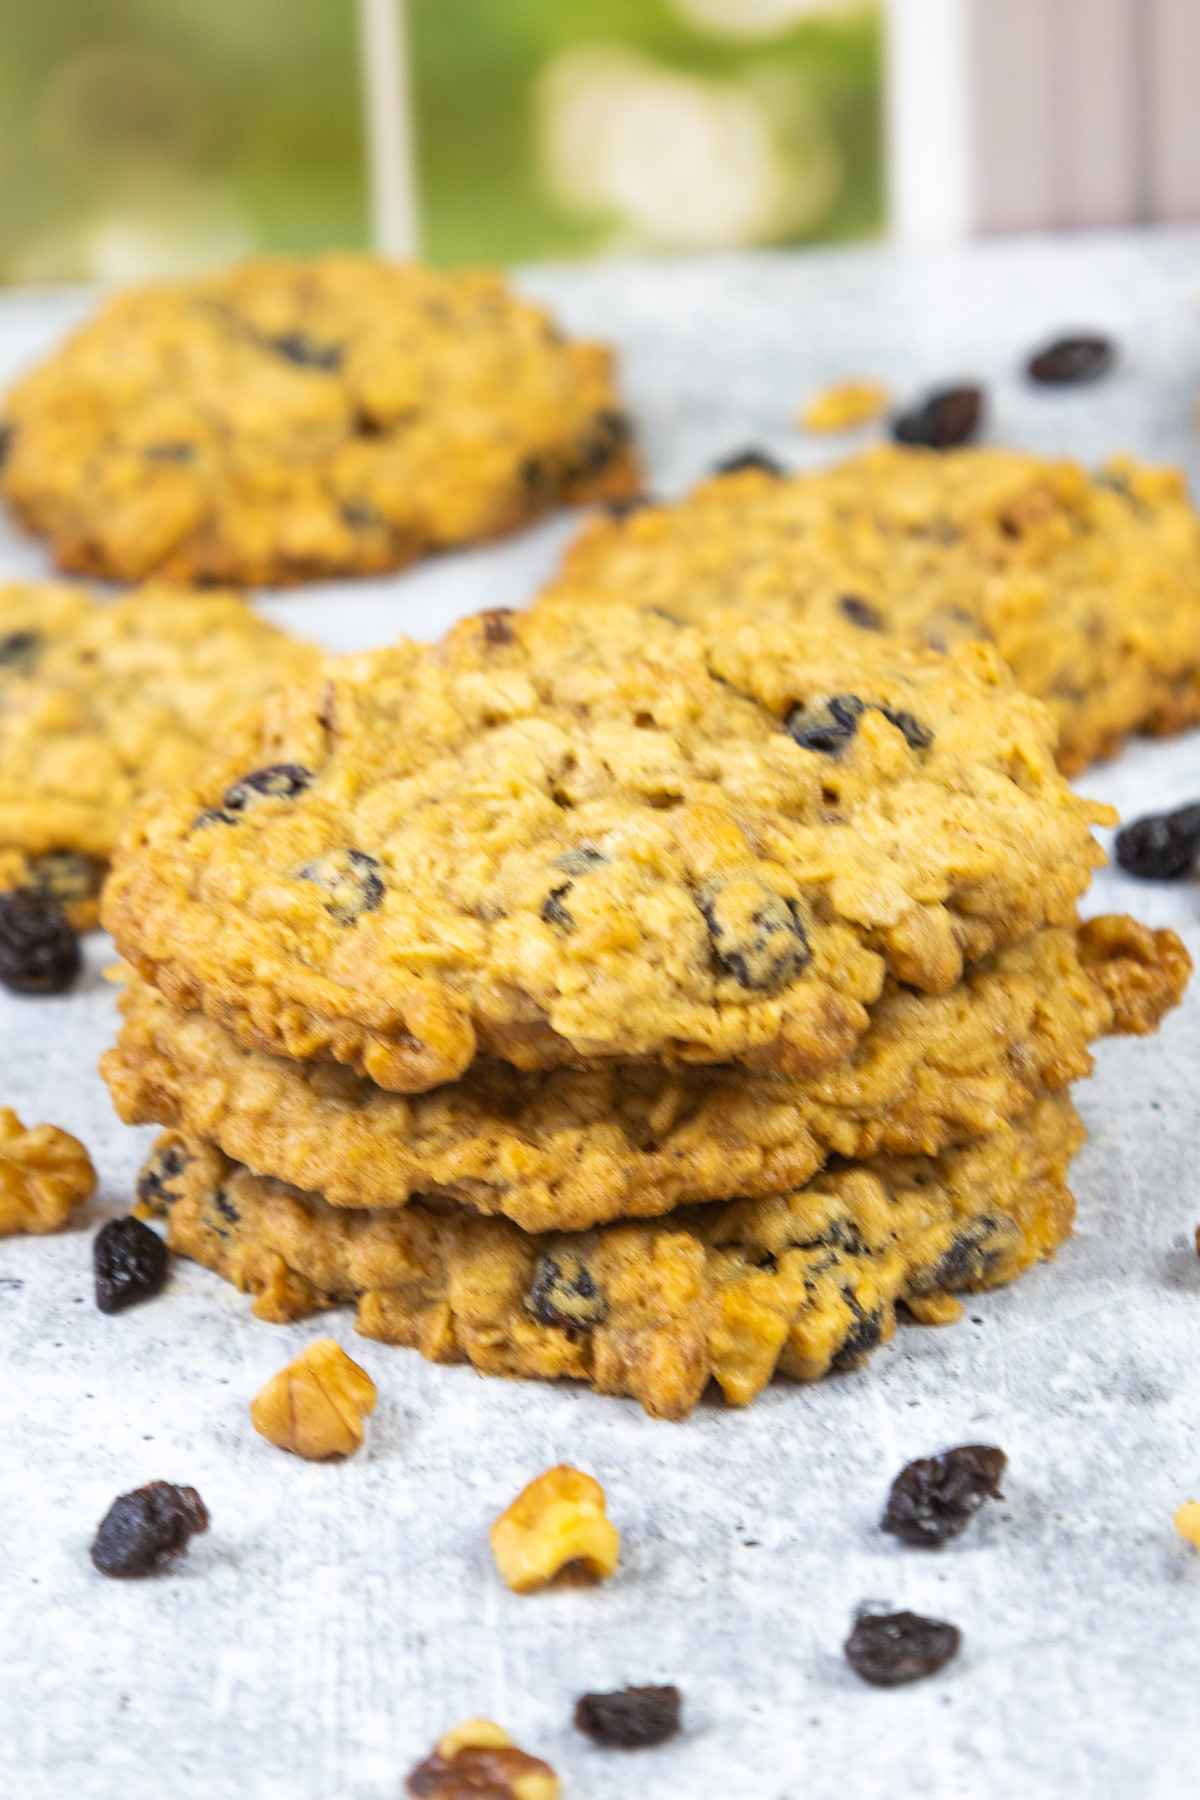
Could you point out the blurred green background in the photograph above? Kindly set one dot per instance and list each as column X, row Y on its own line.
column 139, row 136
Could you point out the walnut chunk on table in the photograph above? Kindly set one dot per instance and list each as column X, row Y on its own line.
column 560, row 1520
column 45, row 1174
column 315, row 1407
column 479, row 1759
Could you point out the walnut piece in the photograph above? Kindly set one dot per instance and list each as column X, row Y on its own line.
column 315, row 1407
column 45, row 1174
column 476, row 1759
column 559, row 1519
column 1187, row 1521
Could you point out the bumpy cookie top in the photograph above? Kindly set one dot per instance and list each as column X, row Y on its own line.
column 567, row 1148
column 101, row 704
column 571, row 835
column 1088, row 585
column 284, row 420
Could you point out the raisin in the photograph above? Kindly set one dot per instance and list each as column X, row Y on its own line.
column 224, row 1205
column 282, row 781
column 497, row 625
column 973, row 1253
column 607, row 434
column 361, row 517
column 916, row 735
column 157, row 1183
column 757, row 936
column 169, row 453
column 828, row 730
column 888, row 1649
column 865, row 1334
column 1162, row 846
column 536, row 475
column 564, row 1292
column 352, row 880
column 945, row 418
column 306, row 351
column 861, row 613
column 625, row 504
column 633, row 1718
column 67, row 875
column 7, row 434
column 19, row 650
column 580, row 861
column 144, row 1529
column 39, row 952
column 749, row 458
column 212, row 815
column 1085, row 356
column 935, row 1498
column 130, row 1262
column 553, row 910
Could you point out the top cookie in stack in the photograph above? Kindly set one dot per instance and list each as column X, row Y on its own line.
column 587, row 916
column 1088, row 585
column 282, row 421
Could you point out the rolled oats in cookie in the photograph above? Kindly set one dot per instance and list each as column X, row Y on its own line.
column 1088, row 584
column 570, row 1148
column 286, row 420
column 600, row 834
column 107, row 703
column 803, row 1284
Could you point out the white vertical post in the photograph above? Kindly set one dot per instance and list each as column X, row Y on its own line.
column 387, row 106
column 928, row 137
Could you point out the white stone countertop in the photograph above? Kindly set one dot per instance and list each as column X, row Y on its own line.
column 336, row 1620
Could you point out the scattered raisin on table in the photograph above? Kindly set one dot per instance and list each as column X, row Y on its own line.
column 142, row 1530
column 945, row 418
column 889, row 1649
column 130, row 1262
column 1084, row 356
column 1162, row 846
column 749, row 458
column 633, row 1718
column 39, row 952
column 936, row 1497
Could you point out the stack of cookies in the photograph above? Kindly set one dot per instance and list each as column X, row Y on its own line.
column 601, row 995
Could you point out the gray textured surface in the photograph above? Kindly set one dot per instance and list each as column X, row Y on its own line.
column 335, row 1620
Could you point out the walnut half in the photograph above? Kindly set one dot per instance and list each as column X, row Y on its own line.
column 559, row 1519
column 478, row 1758
column 45, row 1174
column 315, row 1407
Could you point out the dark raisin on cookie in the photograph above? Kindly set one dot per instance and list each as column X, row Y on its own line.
column 632, row 1718
column 934, row 1498
column 553, row 911
column 756, row 936
column 749, row 458
column 173, row 452
column 860, row 612
column 39, row 952
column 889, row 1649
column 606, row 436
column 1161, row 846
column 1068, row 361
column 352, row 880
column 281, row 781
column 19, row 650
column 581, row 860
column 565, row 1293
column 497, row 625
column 825, row 726
column 223, row 1206
column 916, row 735
column 864, row 1336
column 306, row 352
column 945, row 418
column 624, row 504
column 144, row 1529
column 7, row 435
column 130, row 1263
column 158, row 1182
column 67, row 875
column 359, row 516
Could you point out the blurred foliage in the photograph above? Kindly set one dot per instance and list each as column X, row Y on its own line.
column 146, row 135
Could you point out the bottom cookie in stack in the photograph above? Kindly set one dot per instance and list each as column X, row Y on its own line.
column 801, row 1284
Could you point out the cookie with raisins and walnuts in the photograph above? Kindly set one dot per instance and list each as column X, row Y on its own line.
column 570, row 1148
column 103, row 703
column 601, row 835
column 283, row 421
column 802, row 1284
column 1087, row 583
